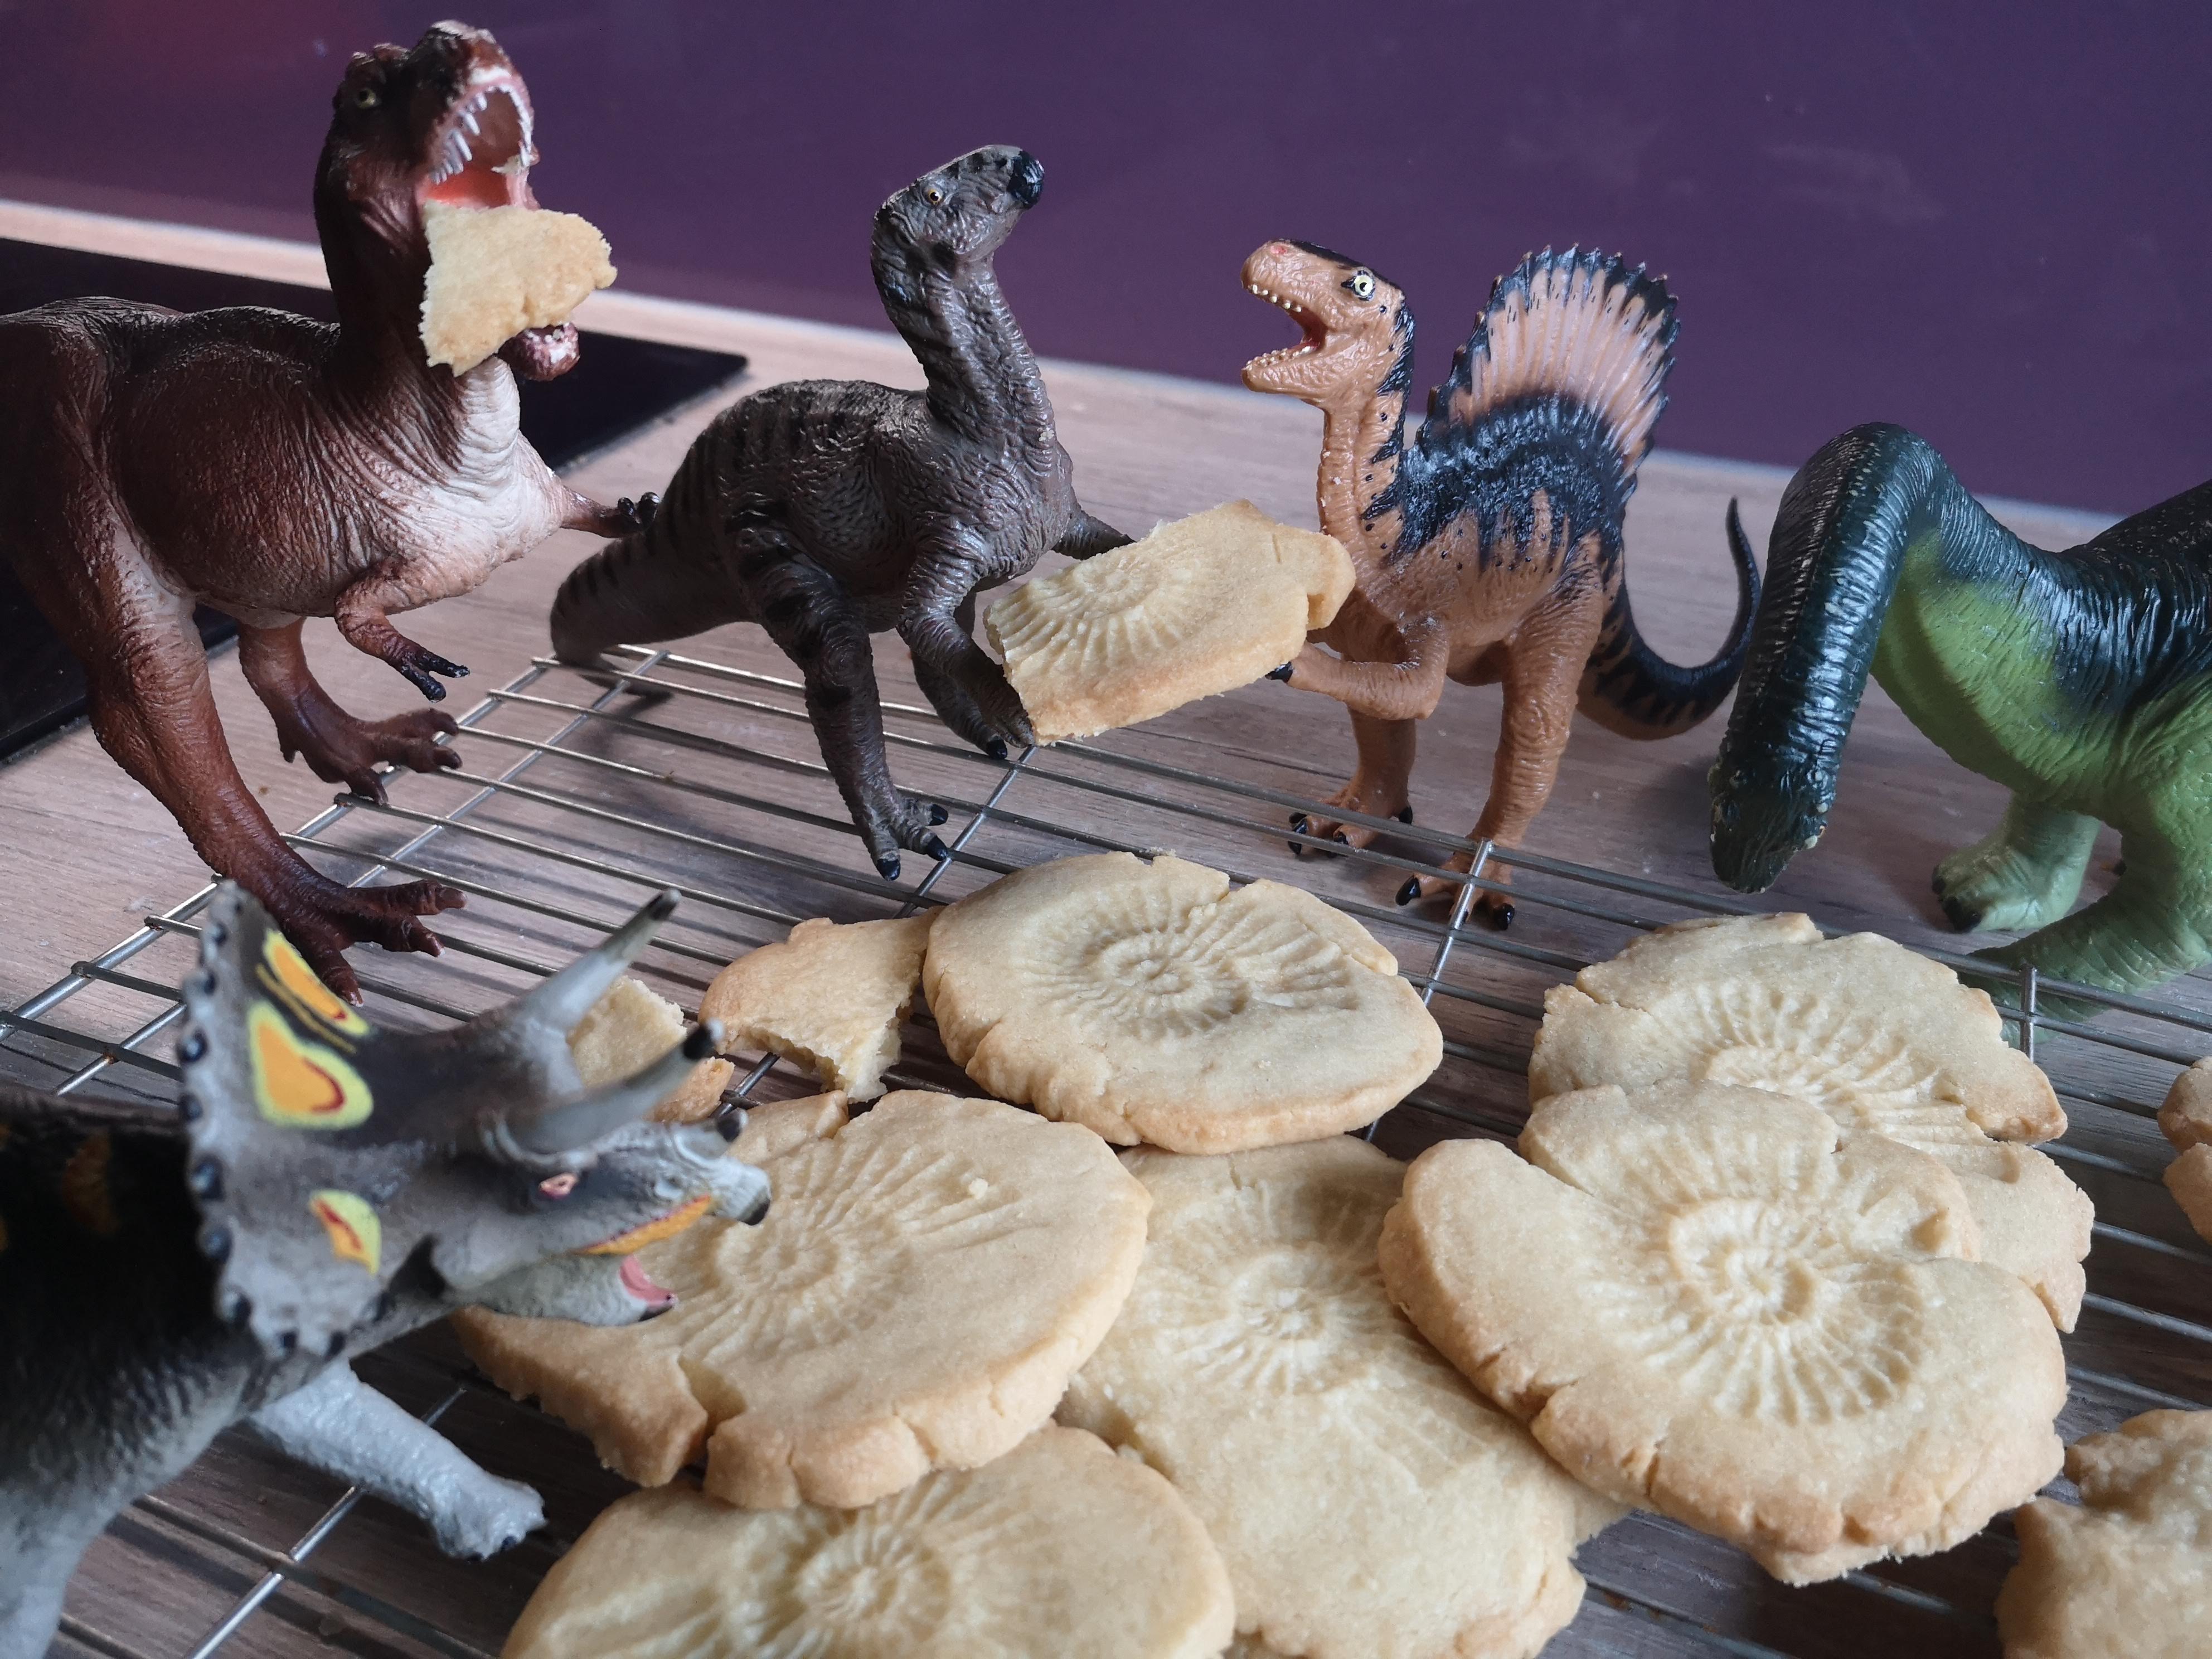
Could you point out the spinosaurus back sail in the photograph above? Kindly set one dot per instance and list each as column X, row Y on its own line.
column 1489, row 549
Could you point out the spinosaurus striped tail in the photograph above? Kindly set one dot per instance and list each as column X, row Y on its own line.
column 1630, row 689
column 652, row 584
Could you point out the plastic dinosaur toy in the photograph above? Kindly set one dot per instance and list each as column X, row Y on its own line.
column 325, row 1186
column 2080, row 680
column 1490, row 549
column 275, row 468
column 829, row 510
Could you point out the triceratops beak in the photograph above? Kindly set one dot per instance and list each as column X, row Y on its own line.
column 563, row 1126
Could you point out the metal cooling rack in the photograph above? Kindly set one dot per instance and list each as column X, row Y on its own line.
column 578, row 797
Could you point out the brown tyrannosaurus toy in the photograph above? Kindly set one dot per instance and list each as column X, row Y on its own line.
column 829, row 510
column 1490, row 549
column 277, row 468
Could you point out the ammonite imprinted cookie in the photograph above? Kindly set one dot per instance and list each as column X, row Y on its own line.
column 1058, row 1548
column 2130, row 1572
column 1876, row 1037
column 1368, row 1504
column 927, row 1278
column 1709, row 1302
column 496, row 271
column 831, row 998
column 1151, row 1003
column 626, row 1031
column 1199, row 606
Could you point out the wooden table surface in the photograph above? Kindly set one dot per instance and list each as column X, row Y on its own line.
column 84, row 854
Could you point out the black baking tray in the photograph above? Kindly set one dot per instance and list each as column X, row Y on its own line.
column 618, row 386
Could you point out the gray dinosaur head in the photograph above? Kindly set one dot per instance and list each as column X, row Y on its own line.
column 334, row 1162
column 955, row 216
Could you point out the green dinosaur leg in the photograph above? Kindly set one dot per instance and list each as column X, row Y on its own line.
column 2155, row 923
column 2024, row 875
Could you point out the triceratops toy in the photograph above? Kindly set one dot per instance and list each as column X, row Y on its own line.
column 324, row 1187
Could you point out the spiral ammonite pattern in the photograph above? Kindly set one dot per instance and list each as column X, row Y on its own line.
column 1143, row 967
column 1123, row 612
column 860, row 1582
column 1747, row 1284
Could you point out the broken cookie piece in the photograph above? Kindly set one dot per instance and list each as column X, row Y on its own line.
column 1199, row 606
column 629, row 1028
column 831, row 998
column 926, row 1280
column 496, row 273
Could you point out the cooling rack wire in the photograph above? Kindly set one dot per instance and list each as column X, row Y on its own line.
column 578, row 798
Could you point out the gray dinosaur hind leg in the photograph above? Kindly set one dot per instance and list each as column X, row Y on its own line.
column 37, row 1559
column 952, row 700
column 810, row 615
column 2026, row 874
column 340, row 1425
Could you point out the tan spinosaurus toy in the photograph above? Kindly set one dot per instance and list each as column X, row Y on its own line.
column 1491, row 549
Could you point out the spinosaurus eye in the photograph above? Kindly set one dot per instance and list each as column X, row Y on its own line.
column 559, row 1186
column 933, row 196
column 366, row 98
column 1361, row 283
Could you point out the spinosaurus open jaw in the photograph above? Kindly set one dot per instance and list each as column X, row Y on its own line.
column 1313, row 338
column 1343, row 310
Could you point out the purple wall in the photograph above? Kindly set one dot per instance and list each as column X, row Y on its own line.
column 1986, row 221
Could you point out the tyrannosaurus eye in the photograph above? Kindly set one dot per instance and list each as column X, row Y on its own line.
column 933, row 196
column 366, row 98
column 1361, row 283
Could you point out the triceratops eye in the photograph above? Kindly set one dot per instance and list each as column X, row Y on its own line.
column 559, row 1186
column 1361, row 283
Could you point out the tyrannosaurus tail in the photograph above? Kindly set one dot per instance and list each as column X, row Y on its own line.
column 1848, row 520
column 1629, row 688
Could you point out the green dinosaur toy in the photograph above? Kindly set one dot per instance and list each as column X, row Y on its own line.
column 2080, row 680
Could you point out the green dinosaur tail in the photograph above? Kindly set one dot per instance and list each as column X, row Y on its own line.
column 1630, row 689
column 1847, row 520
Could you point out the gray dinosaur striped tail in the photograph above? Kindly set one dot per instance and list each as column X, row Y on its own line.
column 1630, row 689
column 658, row 583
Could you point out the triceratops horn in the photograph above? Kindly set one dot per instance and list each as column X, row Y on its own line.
column 565, row 1125
column 567, row 996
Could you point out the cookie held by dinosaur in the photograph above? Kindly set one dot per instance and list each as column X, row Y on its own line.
column 276, row 469
column 323, row 1187
column 1489, row 550
column 2080, row 680
column 829, row 510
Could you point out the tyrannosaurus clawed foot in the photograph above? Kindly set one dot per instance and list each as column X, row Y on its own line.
column 339, row 749
column 1349, row 799
column 322, row 918
column 1493, row 910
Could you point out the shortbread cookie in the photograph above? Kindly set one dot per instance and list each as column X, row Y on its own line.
column 1368, row 1503
column 2130, row 1572
column 1058, row 1548
column 1199, row 606
column 927, row 1278
column 2186, row 1116
column 1151, row 1003
column 496, row 271
column 831, row 998
column 1710, row 1302
column 2189, row 1178
column 628, row 1029
column 1876, row 1037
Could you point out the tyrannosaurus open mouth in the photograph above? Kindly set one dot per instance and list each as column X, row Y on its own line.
column 1314, row 332
column 479, row 153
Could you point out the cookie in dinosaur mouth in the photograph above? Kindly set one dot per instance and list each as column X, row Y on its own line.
column 1315, row 332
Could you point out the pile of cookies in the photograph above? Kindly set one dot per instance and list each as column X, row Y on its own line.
column 1773, row 1261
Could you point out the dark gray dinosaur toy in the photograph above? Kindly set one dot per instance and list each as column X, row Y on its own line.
column 323, row 1187
column 829, row 510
